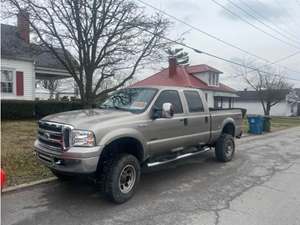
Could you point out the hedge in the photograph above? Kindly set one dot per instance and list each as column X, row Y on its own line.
column 18, row 109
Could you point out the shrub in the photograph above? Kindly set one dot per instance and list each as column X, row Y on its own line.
column 19, row 109
column 44, row 108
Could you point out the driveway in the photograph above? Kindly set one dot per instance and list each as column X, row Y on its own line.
column 260, row 186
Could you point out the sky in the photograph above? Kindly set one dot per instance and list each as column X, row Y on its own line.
column 278, row 18
column 254, row 26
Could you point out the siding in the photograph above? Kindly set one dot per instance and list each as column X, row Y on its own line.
column 254, row 107
column 29, row 78
column 203, row 76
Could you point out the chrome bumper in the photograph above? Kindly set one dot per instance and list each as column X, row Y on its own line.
column 76, row 160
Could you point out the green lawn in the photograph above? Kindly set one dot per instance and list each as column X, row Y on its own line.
column 278, row 123
column 17, row 158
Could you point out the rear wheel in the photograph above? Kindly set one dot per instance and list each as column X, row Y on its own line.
column 225, row 148
column 121, row 178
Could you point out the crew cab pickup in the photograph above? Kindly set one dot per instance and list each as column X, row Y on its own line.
column 133, row 128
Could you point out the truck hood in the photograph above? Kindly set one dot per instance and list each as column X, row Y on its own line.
column 85, row 119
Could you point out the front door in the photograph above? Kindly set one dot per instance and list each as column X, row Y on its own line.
column 167, row 134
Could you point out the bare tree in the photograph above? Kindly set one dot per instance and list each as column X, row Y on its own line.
column 107, row 37
column 182, row 57
column 51, row 85
column 271, row 86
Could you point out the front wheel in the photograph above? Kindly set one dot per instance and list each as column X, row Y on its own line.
column 122, row 178
column 225, row 148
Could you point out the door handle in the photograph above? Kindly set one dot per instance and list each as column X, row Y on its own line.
column 206, row 119
column 185, row 121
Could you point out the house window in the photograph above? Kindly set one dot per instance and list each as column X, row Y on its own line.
column 213, row 79
column 7, row 81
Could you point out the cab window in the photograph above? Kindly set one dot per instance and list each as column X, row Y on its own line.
column 170, row 96
column 194, row 101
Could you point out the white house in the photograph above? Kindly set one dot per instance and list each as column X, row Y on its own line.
column 289, row 106
column 201, row 76
column 23, row 62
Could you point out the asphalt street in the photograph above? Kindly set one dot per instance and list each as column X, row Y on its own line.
column 260, row 186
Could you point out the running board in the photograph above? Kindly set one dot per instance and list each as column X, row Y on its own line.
column 151, row 164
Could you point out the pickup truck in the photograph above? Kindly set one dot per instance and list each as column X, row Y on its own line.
column 134, row 128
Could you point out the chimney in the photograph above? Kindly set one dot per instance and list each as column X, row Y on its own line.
column 23, row 25
column 172, row 66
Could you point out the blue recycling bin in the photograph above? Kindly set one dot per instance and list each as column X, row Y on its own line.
column 255, row 124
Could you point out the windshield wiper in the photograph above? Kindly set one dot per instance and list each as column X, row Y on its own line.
column 111, row 107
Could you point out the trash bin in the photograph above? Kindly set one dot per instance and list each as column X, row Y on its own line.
column 267, row 124
column 255, row 124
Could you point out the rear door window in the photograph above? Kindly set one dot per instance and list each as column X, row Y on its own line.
column 194, row 101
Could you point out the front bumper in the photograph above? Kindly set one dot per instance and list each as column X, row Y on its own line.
column 77, row 160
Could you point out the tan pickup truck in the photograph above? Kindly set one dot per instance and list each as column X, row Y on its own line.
column 133, row 128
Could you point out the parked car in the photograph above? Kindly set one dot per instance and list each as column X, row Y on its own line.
column 135, row 127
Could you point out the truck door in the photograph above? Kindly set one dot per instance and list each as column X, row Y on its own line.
column 198, row 119
column 166, row 134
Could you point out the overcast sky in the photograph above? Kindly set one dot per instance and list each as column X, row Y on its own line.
column 281, row 15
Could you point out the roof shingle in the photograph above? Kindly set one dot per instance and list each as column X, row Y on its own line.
column 13, row 47
column 184, row 78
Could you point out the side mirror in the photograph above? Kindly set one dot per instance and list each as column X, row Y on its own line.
column 167, row 110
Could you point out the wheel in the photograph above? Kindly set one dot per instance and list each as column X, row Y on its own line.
column 122, row 178
column 225, row 148
column 61, row 176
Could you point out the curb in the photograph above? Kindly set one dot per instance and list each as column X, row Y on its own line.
column 27, row 185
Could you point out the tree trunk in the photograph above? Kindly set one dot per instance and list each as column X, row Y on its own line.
column 268, row 109
column 51, row 94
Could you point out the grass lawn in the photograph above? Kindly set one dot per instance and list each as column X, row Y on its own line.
column 21, row 166
column 17, row 157
column 278, row 123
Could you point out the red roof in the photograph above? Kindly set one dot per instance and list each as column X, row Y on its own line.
column 183, row 78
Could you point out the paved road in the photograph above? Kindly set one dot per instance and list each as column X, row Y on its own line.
column 260, row 186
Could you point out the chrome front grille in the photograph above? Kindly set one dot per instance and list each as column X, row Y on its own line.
column 54, row 136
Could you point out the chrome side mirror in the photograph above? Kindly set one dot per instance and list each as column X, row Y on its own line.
column 167, row 110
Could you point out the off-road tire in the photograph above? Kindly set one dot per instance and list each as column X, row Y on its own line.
column 113, row 170
column 222, row 151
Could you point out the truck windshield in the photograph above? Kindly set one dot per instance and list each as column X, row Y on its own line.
column 130, row 99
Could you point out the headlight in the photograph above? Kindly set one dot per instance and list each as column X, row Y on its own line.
column 82, row 138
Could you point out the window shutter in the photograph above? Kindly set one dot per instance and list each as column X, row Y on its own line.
column 20, row 83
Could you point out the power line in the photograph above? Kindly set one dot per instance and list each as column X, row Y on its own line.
column 216, row 38
column 263, row 17
column 254, row 26
column 288, row 24
column 214, row 56
column 261, row 21
column 203, row 32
